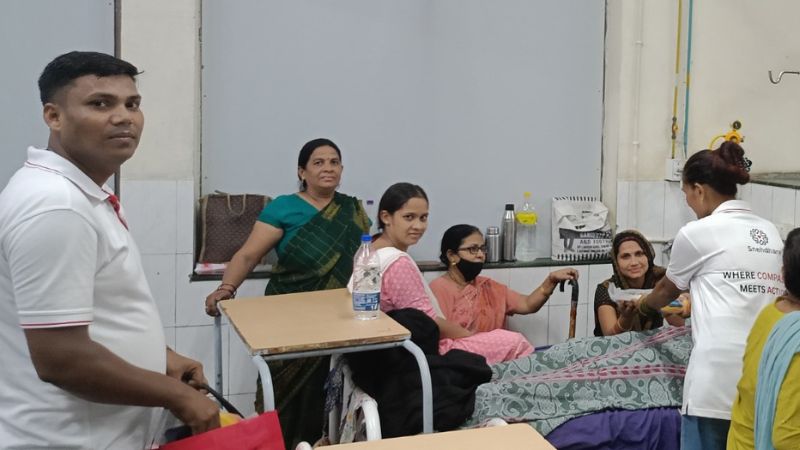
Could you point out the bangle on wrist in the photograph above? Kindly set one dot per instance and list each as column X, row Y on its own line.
column 233, row 288
column 230, row 294
column 229, row 288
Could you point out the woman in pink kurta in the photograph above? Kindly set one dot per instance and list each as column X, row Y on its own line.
column 404, row 287
column 478, row 303
column 403, row 219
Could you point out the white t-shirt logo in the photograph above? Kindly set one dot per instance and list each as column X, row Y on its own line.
column 759, row 237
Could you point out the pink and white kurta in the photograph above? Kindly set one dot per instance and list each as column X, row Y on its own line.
column 404, row 287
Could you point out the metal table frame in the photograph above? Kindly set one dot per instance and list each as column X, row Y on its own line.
column 424, row 371
column 260, row 360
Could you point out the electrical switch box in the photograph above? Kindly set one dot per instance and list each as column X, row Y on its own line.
column 674, row 169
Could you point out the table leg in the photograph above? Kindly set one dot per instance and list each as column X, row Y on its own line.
column 218, row 352
column 427, row 391
column 268, row 396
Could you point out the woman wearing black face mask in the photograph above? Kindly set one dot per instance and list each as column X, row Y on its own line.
column 477, row 303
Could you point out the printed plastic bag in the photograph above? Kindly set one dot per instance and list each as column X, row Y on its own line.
column 580, row 229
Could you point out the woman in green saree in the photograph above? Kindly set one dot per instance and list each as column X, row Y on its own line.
column 315, row 233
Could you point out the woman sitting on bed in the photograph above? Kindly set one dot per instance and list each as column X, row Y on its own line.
column 403, row 219
column 478, row 303
column 632, row 259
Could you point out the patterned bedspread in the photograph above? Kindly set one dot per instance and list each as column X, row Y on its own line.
column 632, row 370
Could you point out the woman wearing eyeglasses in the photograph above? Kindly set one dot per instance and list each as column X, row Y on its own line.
column 476, row 303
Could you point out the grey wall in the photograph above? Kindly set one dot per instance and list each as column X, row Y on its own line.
column 32, row 33
column 476, row 101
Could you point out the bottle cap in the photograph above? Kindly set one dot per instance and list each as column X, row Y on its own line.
column 527, row 195
column 366, row 238
column 493, row 230
column 509, row 206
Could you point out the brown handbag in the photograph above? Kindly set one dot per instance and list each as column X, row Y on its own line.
column 226, row 222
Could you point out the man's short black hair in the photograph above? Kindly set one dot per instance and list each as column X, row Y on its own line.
column 63, row 69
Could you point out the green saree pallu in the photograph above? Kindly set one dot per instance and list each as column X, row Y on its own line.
column 318, row 257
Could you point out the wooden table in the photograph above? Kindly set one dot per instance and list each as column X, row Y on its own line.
column 312, row 324
column 512, row 437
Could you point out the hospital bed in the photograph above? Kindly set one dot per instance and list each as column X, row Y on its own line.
column 608, row 426
column 653, row 428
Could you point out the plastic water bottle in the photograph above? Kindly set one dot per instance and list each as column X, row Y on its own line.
column 366, row 281
column 526, row 231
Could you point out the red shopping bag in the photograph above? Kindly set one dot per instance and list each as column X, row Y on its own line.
column 258, row 433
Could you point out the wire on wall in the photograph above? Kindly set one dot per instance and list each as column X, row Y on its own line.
column 678, row 34
column 688, row 79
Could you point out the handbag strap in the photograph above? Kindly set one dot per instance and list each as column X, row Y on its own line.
column 244, row 205
column 228, row 406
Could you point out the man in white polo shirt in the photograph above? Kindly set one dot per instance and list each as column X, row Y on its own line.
column 84, row 363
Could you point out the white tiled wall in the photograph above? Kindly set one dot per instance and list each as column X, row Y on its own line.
column 644, row 204
column 650, row 207
column 638, row 205
column 151, row 209
column 745, row 192
column 161, row 217
column 783, row 212
column 656, row 208
column 761, row 199
column 676, row 212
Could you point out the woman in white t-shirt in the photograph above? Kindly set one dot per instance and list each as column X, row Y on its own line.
column 730, row 261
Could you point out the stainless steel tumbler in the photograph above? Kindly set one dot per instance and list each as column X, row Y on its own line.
column 493, row 244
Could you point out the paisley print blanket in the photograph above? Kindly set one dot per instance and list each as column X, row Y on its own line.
column 633, row 370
